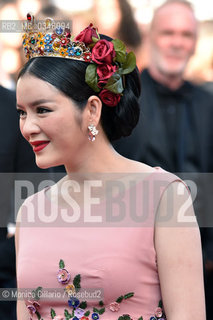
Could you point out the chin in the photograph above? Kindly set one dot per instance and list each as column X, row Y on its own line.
column 46, row 161
column 48, row 164
column 43, row 166
column 174, row 69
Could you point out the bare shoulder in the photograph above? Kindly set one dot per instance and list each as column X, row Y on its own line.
column 133, row 166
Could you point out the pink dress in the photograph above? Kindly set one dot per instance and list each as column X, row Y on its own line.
column 114, row 262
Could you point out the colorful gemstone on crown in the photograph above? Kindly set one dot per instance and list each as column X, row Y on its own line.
column 59, row 30
column 48, row 23
column 67, row 32
column 52, row 42
column 78, row 51
column 29, row 17
column 71, row 51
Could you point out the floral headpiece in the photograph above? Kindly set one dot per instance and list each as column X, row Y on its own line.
column 108, row 60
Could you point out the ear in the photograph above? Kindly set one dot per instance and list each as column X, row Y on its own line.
column 92, row 111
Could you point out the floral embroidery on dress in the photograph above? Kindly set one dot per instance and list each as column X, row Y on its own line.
column 34, row 305
column 77, row 309
column 159, row 313
column 114, row 306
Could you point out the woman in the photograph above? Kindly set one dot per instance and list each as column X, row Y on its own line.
column 74, row 98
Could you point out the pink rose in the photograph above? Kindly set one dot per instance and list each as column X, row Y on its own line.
column 32, row 306
column 114, row 306
column 105, row 71
column 63, row 276
column 111, row 99
column 31, row 309
column 158, row 312
column 103, row 52
column 87, row 34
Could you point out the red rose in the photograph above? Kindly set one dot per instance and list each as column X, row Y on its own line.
column 103, row 52
column 111, row 99
column 101, row 84
column 87, row 34
column 105, row 71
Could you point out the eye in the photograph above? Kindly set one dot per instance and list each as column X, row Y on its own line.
column 188, row 35
column 21, row 113
column 42, row 110
column 167, row 33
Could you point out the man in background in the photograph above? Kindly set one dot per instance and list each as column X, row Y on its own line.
column 175, row 128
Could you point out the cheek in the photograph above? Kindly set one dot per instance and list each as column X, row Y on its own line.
column 21, row 126
column 162, row 43
column 190, row 46
column 66, row 131
column 52, row 126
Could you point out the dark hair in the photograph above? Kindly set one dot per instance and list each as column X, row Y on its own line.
column 69, row 77
column 128, row 30
column 49, row 10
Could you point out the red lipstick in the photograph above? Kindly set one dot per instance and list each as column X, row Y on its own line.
column 39, row 145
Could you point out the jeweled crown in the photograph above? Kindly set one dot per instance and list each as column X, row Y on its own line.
column 108, row 61
column 45, row 39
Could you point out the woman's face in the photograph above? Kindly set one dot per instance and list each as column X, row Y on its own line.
column 49, row 121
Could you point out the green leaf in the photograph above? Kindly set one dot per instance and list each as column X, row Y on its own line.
column 83, row 305
column 52, row 313
column 120, row 299
column 101, row 311
column 160, row 304
column 67, row 314
column 101, row 303
column 87, row 313
column 37, row 293
column 91, row 77
column 141, row 318
column 120, row 50
column 130, row 63
column 114, row 84
column 94, row 39
column 38, row 315
column 126, row 317
column 120, row 71
column 61, row 264
column 77, row 282
column 129, row 295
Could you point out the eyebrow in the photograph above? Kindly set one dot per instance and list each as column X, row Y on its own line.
column 36, row 102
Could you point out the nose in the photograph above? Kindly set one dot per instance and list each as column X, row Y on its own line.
column 29, row 127
column 177, row 41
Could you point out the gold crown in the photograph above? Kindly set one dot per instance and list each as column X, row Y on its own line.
column 44, row 39
column 109, row 61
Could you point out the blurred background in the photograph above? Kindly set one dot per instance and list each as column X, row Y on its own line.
column 126, row 19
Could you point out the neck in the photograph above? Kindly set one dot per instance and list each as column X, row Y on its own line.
column 172, row 82
column 96, row 157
